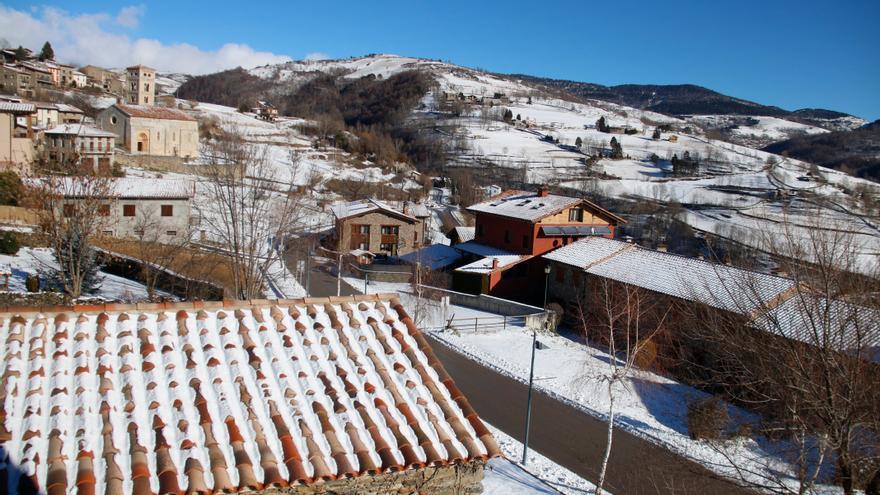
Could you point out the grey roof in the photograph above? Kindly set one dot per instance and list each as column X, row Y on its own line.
column 716, row 285
column 354, row 208
column 775, row 304
column 524, row 205
column 465, row 233
column 13, row 107
column 79, row 130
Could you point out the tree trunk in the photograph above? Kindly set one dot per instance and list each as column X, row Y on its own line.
column 609, row 438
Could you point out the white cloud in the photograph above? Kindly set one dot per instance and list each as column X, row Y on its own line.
column 90, row 39
column 130, row 16
column 315, row 56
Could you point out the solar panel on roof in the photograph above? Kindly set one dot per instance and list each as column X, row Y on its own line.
column 575, row 230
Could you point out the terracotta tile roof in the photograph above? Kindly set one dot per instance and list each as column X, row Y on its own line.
column 153, row 112
column 225, row 397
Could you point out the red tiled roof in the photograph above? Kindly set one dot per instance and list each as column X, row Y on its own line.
column 153, row 112
column 226, row 396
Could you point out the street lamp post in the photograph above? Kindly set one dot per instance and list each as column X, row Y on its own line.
column 529, row 400
column 546, row 283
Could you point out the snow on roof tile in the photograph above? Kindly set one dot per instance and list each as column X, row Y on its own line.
column 505, row 259
column 123, row 188
column 710, row 283
column 226, row 397
column 524, row 205
column 79, row 130
column 465, row 233
column 16, row 107
column 435, row 256
column 162, row 113
column 359, row 207
column 848, row 326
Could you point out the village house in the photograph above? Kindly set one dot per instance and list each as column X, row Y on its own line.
column 298, row 396
column 516, row 226
column 158, row 210
column 80, row 144
column 42, row 76
column 141, row 85
column 265, row 111
column 373, row 226
column 16, row 136
column 17, row 81
column 147, row 130
column 97, row 76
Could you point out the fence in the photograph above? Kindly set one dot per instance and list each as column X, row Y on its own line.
column 432, row 310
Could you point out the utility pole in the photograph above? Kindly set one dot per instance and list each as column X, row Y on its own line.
column 309, row 271
column 338, row 273
column 366, row 280
column 529, row 401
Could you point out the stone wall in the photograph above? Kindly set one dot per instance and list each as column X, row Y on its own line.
column 456, row 479
column 409, row 235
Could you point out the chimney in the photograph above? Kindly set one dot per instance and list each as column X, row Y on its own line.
column 494, row 263
column 543, row 192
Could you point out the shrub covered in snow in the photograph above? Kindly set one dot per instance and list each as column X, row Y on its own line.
column 707, row 419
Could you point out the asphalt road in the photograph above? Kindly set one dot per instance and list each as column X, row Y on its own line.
column 575, row 439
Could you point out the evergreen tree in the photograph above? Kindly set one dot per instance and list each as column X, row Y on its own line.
column 616, row 149
column 656, row 134
column 601, row 125
column 518, row 117
column 20, row 53
column 508, row 116
column 47, row 53
column 530, row 100
column 578, row 142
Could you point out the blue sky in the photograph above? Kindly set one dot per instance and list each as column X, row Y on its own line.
column 786, row 53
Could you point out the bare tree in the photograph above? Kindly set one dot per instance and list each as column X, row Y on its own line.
column 74, row 210
column 804, row 357
column 625, row 319
column 250, row 209
column 156, row 251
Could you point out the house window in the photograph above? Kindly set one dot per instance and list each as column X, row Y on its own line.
column 113, row 119
column 525, row 241
column 390, row 230
column 167, row 210
column 146, row 100
column 108, row 232
column 388, row 247
column 576, row 215
column 364, row 246
column 507, row 236
column 104, row 210
column 128, row 210
column 415, row 238
column 360, row 229
column 91, row 145
column 171, row 232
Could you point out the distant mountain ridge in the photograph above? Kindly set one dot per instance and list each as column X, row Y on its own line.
column 690, row 99
column 856, row 152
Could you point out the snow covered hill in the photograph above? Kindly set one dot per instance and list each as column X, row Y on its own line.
column 548, row 138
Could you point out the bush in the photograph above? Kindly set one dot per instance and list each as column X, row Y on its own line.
column 10, row 188
column 32, row 283
column 707, row 419
column 8, row 243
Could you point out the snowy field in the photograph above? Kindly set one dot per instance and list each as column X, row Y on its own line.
column 29, row 261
